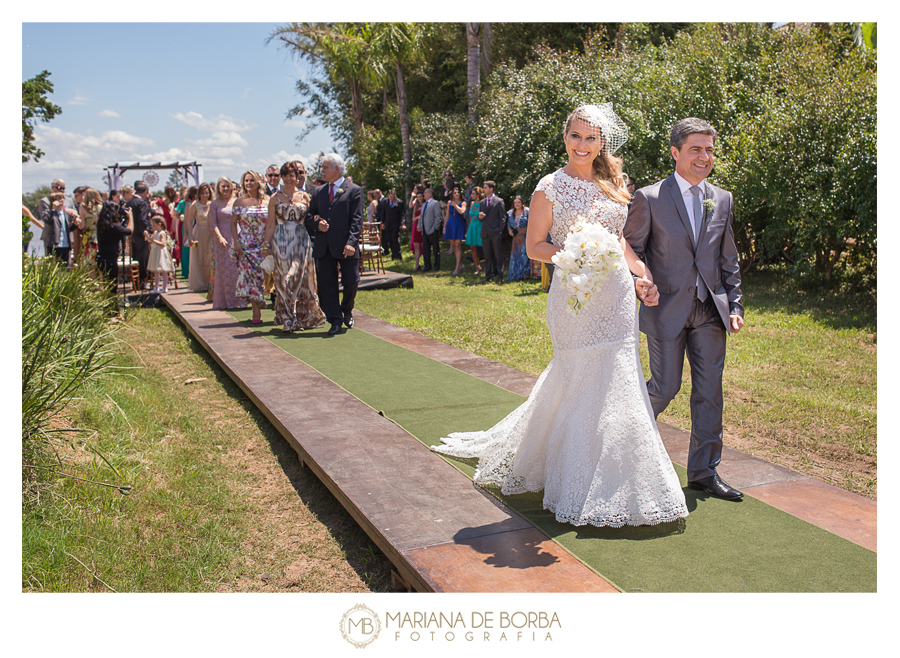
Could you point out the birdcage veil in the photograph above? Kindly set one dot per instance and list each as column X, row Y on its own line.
column 608, row 124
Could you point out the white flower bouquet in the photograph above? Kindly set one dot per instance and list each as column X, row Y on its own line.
column 589, row 254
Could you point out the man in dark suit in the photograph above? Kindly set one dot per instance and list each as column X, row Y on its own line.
column 493, row 221
column 682, row 229
column 334, row 222
column 136, row 199
column 431, row 221
column 273, row 176
column 393, row 216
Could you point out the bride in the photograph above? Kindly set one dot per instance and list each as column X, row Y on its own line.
column 586, row 436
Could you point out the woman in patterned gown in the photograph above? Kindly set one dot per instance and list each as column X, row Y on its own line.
column 586, row 435
column 224, row 270
column 248, row 223
column 296, row 298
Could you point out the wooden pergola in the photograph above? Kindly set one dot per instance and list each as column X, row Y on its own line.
column 115, row 172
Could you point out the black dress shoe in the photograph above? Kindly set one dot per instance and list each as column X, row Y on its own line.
column 335, row 328
column 348, row 320
column 716, row 487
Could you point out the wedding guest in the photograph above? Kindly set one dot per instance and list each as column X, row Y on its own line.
column 629, row 185
column 447, row 189
column 470, row 185
column 473, row 234
column 455, row 227
column 493, row 220
column 136, row 199
column 415, row 240
column 189, row 195
column 371, row 206
column 393, row 218
column 160, row 262
column 57, row 221
column 91, row 205
column 64, row 220
column 431, row 225
column 110, row 233
column 197, row 219
column 27, row 220
column 272, row 178
column 517, row 225
column 173, row 221
column 287, row 240
column 248, row 226
column 220, row 227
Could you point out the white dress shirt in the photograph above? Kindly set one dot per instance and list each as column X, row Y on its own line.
column 688, row 198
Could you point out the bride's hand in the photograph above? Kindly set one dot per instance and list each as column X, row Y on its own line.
column 646, row 291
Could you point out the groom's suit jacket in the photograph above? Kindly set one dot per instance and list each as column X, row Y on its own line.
column 659, row 230
column 345, row 219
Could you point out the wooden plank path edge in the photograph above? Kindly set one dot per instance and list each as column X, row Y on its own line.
column 440, row 531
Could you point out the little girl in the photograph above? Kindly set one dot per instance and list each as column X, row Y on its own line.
column 160, row 262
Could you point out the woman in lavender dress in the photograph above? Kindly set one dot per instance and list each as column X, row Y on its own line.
column 220, row 229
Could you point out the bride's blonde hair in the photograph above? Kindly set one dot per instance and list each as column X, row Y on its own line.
column 607, row 169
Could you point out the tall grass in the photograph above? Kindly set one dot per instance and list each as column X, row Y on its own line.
column 65, row 330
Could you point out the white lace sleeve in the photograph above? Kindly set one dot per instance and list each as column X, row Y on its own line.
column 546, row 186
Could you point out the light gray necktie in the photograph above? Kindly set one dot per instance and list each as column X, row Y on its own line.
column 698, row 220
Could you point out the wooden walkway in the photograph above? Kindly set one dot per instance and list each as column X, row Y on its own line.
column 441, row 532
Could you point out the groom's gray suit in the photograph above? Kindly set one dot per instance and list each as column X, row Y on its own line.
column 661, row 234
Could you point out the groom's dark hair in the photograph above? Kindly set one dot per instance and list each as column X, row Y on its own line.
column 689, row 126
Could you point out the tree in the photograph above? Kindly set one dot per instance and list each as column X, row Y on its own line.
column 342, row 50
column 400, row 45
column 176, row 179
column 36, row 107
column 473, row 58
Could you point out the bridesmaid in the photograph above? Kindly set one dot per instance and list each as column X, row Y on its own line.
column 248, row 226
column 197, row 220
column 517, row 225
column 296, row 299
column 473, row 236
column 220, row 228
column 86, row 221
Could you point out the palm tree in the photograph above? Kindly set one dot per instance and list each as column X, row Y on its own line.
column 398, row 46
column 342, row 49
column 479, row 38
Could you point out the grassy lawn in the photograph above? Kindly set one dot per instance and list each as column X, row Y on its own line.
column 218, row 500
column 800, row 379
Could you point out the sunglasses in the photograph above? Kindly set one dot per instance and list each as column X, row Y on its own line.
column 272, row 175
column 58, row 187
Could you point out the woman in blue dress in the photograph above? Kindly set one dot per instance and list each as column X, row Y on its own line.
column 455, row 231
column 517, row 224
column 473, row 237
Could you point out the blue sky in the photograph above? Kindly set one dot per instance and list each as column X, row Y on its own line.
column 212, row 92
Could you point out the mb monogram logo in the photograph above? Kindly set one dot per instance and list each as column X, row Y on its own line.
column 360, row 626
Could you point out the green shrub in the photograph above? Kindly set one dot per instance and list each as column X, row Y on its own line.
column 65, row 329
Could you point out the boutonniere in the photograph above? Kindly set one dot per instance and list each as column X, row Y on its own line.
column 338, row 192
column 708, row 206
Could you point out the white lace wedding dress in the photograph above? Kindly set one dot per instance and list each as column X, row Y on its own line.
column 586, row 435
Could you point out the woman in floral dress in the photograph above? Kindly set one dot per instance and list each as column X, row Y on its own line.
column 248, row 226
column 517, row 225
column 296, row 298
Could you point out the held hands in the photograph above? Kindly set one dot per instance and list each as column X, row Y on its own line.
column 646, row 291
column 323, row 225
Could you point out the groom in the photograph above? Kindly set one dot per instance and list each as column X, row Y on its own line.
column 334, row 222
column 681, row 228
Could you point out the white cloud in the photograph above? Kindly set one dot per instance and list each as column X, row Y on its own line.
column 221, row 139
column 220, row 124
column 109, row 113
column 78, row 100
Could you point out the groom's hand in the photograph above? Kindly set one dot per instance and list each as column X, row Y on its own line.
column 646, row 291
column 737, row 323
